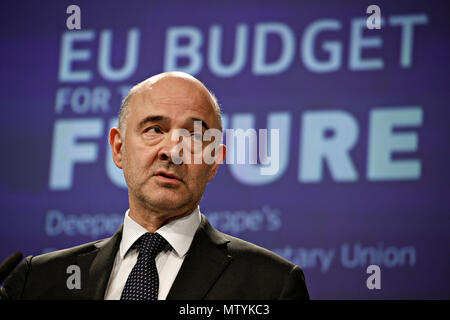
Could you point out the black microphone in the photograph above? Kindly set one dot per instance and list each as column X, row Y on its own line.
column 9, row 264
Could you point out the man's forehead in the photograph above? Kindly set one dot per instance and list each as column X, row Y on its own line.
column 182, row 95
column 176, row 106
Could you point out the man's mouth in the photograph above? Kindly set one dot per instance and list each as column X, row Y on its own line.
column 166, row 176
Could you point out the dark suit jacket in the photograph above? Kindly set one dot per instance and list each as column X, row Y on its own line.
column 217, row 266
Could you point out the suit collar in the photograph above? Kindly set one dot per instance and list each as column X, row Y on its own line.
column 205, row 261
column 178, row 233
column 96, row 266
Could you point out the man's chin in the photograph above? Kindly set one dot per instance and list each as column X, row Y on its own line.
column 166, row 201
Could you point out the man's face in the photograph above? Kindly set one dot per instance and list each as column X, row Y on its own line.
column 155, row 113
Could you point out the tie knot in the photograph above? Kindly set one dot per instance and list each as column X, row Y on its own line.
column 151, row 244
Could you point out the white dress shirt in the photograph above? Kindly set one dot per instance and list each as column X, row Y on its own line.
column 178, row 233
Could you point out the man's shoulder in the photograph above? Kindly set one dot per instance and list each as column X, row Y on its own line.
column 67, row 253
column 72, row 253
column 254, row 272
column 53, row 265
column 43, row 276
column 254, row 254
column 246, row 252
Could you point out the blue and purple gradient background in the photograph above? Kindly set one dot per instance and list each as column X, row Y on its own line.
column 317, row 215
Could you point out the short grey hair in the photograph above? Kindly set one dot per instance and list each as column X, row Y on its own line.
column 123, row 113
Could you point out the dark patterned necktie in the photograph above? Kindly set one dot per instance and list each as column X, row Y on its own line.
column 143, row 282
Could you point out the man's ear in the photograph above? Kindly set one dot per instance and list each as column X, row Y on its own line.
column 221, row 153
column 116, row 143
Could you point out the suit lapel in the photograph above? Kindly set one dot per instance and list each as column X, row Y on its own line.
column 205, row 261
column 98, row 264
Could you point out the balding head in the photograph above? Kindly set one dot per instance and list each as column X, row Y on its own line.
column 171, row 84
column 155, row 115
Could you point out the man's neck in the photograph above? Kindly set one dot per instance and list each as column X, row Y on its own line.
column 152, row 220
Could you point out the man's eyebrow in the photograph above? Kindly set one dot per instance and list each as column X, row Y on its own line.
column 204, row 124
column 155, row 118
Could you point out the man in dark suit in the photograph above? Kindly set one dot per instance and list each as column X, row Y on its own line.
column 165, row 249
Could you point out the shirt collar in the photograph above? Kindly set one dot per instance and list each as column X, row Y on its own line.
column 178, row 233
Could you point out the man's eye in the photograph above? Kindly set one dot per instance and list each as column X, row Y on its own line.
column 153, row 130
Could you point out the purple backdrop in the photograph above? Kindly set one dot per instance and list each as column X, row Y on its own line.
column 364, row 143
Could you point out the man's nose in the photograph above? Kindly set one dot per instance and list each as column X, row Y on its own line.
column 166, row 151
